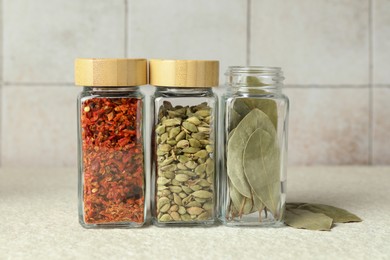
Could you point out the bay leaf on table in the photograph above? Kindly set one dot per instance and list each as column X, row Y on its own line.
column 337, row 214
column 299, row 218
column 236, row 145
column 262, row 167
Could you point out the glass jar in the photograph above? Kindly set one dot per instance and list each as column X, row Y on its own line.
column 110, row 142
column 184, row 141
column 254, row 147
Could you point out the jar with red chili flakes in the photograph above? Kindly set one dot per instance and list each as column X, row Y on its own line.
column 184, row 141
column 111, row 154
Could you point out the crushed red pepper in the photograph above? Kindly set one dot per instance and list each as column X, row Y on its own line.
column 113, row 161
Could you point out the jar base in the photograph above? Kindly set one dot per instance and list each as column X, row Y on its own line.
column 121, row 225
column 265, row 224
column 205, row 223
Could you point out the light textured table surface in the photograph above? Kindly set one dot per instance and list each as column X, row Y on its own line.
column 38, row 220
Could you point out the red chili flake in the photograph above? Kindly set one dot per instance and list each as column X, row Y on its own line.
column 113, row 160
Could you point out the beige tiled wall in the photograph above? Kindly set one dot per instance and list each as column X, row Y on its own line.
column 381, row 83
column 187, row 29
column 314, row 41
column 335, row 54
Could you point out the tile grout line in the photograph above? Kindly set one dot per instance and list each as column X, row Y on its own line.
column 248, row 33
column 332, row 86
column 287, row 86
column 126, row 27
column 376, row 86
column 38, row 84
column 371, row 82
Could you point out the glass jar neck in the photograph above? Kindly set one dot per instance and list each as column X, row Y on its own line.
column 112, row 89
column 254, row 80
column 187, row 91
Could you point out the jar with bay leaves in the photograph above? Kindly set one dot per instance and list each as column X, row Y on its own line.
column 184, row 141
column 254, row 122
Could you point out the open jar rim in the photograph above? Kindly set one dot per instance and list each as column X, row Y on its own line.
column 252, row 70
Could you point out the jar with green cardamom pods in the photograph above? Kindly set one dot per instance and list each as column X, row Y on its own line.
column 184, row 141
column 254, row 147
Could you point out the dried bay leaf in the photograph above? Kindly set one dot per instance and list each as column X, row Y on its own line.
column 268, row 106
column 252, row 81
column 247, row 207
column 299, row 218
column 235, row 171
column 337, row 214
column 236, row 145
column 261, row 162
column 235, row 196
column 231, row 133
column 257, row 203
column 243, row 106
column 241, row 204
column 240, row 107
column 234, row 119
